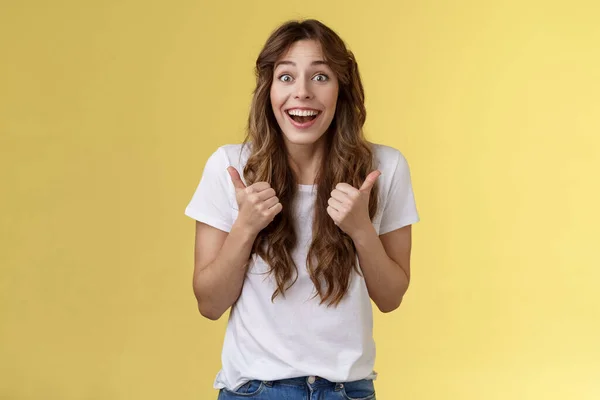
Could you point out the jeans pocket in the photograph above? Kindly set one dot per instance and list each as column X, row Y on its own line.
column 359, row 390
column 248, row 389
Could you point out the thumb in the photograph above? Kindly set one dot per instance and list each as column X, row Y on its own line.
column 370, row 181
column 235, row 178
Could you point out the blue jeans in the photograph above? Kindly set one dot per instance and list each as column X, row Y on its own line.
column 306, row 388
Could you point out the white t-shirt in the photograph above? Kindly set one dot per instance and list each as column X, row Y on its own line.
column 295, row 336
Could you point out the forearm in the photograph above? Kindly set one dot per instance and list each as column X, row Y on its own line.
column 219, row 284
column 386, row 281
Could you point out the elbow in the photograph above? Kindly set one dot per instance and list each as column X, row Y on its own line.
column 389, row 306
column 209, row 312
column 207, row 308
column 393, row 300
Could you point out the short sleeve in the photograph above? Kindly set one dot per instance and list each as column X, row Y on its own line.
column 211, row 202
column 400, row 209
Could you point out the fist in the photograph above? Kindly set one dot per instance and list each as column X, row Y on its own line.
column 258, row 203
column 349, row 206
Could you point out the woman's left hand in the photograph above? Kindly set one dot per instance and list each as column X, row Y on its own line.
column 349, row 207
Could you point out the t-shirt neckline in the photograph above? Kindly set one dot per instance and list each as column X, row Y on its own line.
column 306, row 188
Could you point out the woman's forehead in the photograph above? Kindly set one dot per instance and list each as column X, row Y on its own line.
column 305, row 51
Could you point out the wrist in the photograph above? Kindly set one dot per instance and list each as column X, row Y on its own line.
column 243, row 232
column 364, row 235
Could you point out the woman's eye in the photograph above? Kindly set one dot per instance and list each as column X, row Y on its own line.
column 321, row 78
column 285, row 78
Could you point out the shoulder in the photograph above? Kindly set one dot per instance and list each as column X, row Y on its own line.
column 233, row 151
column 230, row 154
column 387, row 158
column 225, row 156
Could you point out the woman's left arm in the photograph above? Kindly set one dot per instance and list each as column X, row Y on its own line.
column 385, row 264
column 385, row 259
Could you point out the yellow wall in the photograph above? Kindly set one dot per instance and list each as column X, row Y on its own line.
column 108, row 111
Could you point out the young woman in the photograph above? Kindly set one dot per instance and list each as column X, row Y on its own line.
column 300, row 227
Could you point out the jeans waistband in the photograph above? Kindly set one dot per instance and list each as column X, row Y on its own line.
column 302, row 381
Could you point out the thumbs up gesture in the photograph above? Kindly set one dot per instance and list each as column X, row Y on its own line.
column 349, row 207
column 258, row 203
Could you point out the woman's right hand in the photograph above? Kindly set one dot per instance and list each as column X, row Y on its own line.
column 258, row 203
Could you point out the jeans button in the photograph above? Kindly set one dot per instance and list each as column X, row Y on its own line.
column 311, row 379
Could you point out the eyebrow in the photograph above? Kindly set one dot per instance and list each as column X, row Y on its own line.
column 284, row 62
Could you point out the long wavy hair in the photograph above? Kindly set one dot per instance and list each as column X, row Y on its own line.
column 349, row 158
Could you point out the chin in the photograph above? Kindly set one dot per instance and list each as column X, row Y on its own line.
column 303, row 138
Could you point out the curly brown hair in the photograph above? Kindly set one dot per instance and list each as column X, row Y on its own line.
column 349, row 158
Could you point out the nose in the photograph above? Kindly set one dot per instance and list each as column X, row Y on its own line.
column 302, row 90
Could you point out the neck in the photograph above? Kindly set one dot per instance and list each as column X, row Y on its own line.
column 305, row 160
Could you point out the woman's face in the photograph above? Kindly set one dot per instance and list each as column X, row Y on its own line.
column 303, row 93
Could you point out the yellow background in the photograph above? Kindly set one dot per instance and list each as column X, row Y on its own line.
column 108, row 111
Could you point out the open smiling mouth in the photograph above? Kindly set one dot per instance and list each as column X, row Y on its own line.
column 303, row 118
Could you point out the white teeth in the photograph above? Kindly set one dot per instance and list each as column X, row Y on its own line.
column 302, row 113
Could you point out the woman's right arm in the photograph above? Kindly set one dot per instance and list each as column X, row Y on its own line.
column 220, row 267
column 220, row 258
